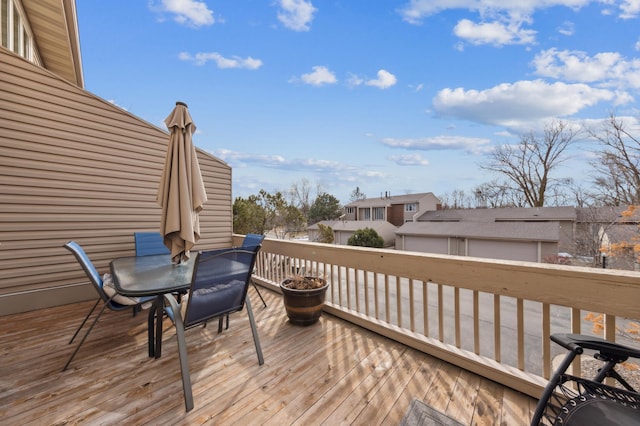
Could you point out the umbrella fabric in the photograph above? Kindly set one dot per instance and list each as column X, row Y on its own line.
column 181, row 193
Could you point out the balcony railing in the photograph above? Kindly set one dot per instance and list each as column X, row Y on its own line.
column 491, row 317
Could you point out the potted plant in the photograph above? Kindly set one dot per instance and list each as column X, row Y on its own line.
column 304, row 298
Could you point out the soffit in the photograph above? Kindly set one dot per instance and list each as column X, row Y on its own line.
column 55, row 32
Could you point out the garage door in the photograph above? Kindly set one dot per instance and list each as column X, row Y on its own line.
column 426, row 245
column 509, row 250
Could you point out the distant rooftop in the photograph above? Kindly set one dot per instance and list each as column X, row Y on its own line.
column 500, row 214
column 391, row 199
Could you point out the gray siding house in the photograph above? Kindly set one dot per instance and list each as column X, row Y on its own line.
column 396, row 209
column 528, row 234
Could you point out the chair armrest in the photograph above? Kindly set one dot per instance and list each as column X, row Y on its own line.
column 577, row 342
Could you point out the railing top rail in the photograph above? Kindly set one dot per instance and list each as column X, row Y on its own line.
column 615, row 292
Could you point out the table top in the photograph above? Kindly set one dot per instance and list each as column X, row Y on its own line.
column 150, row 275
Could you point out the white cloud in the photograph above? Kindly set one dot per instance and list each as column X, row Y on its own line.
column 567, row 28
column 296, row 14
column 440, row 143
column 630, row 9
column 496, row 33
column 500, row 22
column 518, row 104
column 409, row 160
column 354, row 80
column 384, row 81
column 189, row 12
column 323, row 168
column 416, row 10
column 202, row 58
column 318, row 77
column 608, row 69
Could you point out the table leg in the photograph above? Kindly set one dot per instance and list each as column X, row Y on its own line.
column 150, row 330
column 159, row 315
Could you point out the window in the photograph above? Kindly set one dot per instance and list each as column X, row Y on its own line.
column 16, row 31
column 15, row 34
column 411, row 207
column 366, row 214
column 4, row 19
column 378, row 213
column 350, row 210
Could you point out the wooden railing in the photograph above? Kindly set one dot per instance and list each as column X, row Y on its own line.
column 491, row 317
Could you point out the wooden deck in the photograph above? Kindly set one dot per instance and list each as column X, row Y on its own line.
column 330, row 373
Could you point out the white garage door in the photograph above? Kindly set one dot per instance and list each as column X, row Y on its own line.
column 426, row 245
column 509, row 250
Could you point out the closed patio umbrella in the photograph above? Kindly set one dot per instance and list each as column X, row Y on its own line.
column 181, row 193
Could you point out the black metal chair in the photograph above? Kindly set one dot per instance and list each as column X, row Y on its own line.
column 114, row 301
column 250, row 241
column 218, row 288
column 572, row 400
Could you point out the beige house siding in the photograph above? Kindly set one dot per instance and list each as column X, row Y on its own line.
column 75, row 167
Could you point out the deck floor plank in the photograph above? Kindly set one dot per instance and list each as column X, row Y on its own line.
column 333, row 372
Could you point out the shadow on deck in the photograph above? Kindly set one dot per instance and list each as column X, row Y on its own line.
column 333, row 372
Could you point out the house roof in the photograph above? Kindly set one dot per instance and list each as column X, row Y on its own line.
column 389, row 200
column 500, row 214
column 608, row 214
column 353, row 225
column 54, row 24
column 530, row 231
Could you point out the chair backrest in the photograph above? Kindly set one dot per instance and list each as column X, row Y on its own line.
column 252, row 240
column 219, row 284
column 87, row 266
column 149, row 243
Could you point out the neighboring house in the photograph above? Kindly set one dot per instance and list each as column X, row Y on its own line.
column 529, row 234
column 396, row 209
column 342, row 230
column 74, row 166
column 599, row 228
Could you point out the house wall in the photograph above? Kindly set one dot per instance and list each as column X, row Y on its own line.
column 530, row 251
column 396, row 214
column 75, row 167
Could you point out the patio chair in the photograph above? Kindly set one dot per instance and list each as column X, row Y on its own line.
column 149, row 243
column 218, row 288
column 250, row 241
column 110, row 302
column 571, row 400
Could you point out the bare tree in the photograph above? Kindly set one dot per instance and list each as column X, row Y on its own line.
column 300, row 195
column 618, row 165
column 495, row 194
column 456, row 199
column 528, row 166
column 356, row 195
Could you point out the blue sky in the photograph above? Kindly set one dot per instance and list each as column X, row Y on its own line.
column 389, row 96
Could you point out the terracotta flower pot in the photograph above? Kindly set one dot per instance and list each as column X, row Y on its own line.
column 304, row 306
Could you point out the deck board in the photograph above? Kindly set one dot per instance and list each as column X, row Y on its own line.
column 333, row 372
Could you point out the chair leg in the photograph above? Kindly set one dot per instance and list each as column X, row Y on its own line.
column 182, row 352
column 551, row 385
column 84, row 337
column 84, row 321
column 259, row 294
column 254, row 331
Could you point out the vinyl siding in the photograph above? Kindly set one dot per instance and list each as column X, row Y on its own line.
column 75, row 167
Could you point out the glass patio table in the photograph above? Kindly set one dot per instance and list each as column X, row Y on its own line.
column 155, row 275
